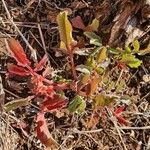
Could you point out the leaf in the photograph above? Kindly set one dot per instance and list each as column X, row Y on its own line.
column 85, row 78
column 82, row 51
column 118, row 113
column 77, row 105
column 93, row 86
column 43, row 133
column 14, row 69
column 131, row 61
column 94, row 39
column 102, row 100
column 56, row 102
column 77, row 22
column 114, row 51
column 127, row 49
column 17, row 103
column 119, row 110
column 41, row 64
column 102, row 55
column 18, row 53
column 91, row 62
column 83, row 68
column 65, row 29
column 93, row 26
column 121, row 120
column 136, row 46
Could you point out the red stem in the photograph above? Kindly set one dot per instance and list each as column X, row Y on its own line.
column 70, row 52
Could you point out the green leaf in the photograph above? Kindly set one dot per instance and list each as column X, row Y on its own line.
column 103, row 100
column 114, row 51
column 91, row 62
column 94, row 39
column 131, row 60
column 127, row 49
column 84, row 69
column 17, row 103
column 65, row 30
column 102, row 55
column 77, row 105
column 136, row 46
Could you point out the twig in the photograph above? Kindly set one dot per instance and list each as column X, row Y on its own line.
column 113, row 119
column 135, row 128
column 43, row 42
column 83, row 132
column 120, row 75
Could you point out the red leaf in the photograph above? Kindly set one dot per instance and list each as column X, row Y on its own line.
column 121, row 120
column 53, row 103
column 78, row 23
column 18, row 53
column 41, row 64
column 119, row 110
column 14, row 69
column 43, row 133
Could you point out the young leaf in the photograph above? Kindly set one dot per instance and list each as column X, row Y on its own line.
column 41, row 64
column 43, row 133
column 102, row 100
column 136, row 46
column 127, row 49
column 17, row 103
column 131, row 61
column 102, row 55
column 84, row 69
column 93, row 26
column 18, row 53
column 94, row 39
column 77, row 105
column 65, row 29
column 77, row 22
column 14, row 69
column 91, row 62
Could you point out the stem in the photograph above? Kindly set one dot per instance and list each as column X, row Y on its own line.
column 73, row 66
column 70, row 54
column 58, row 86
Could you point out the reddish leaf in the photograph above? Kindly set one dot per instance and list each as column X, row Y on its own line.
column 119, row 110
column 14, row 69
column 121, row 120
column 78, row 23
column 43, row 133
column 53, row 103
column 41, row 64
column 18, row 53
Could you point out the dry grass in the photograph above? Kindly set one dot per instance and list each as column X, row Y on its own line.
column 69, row 130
